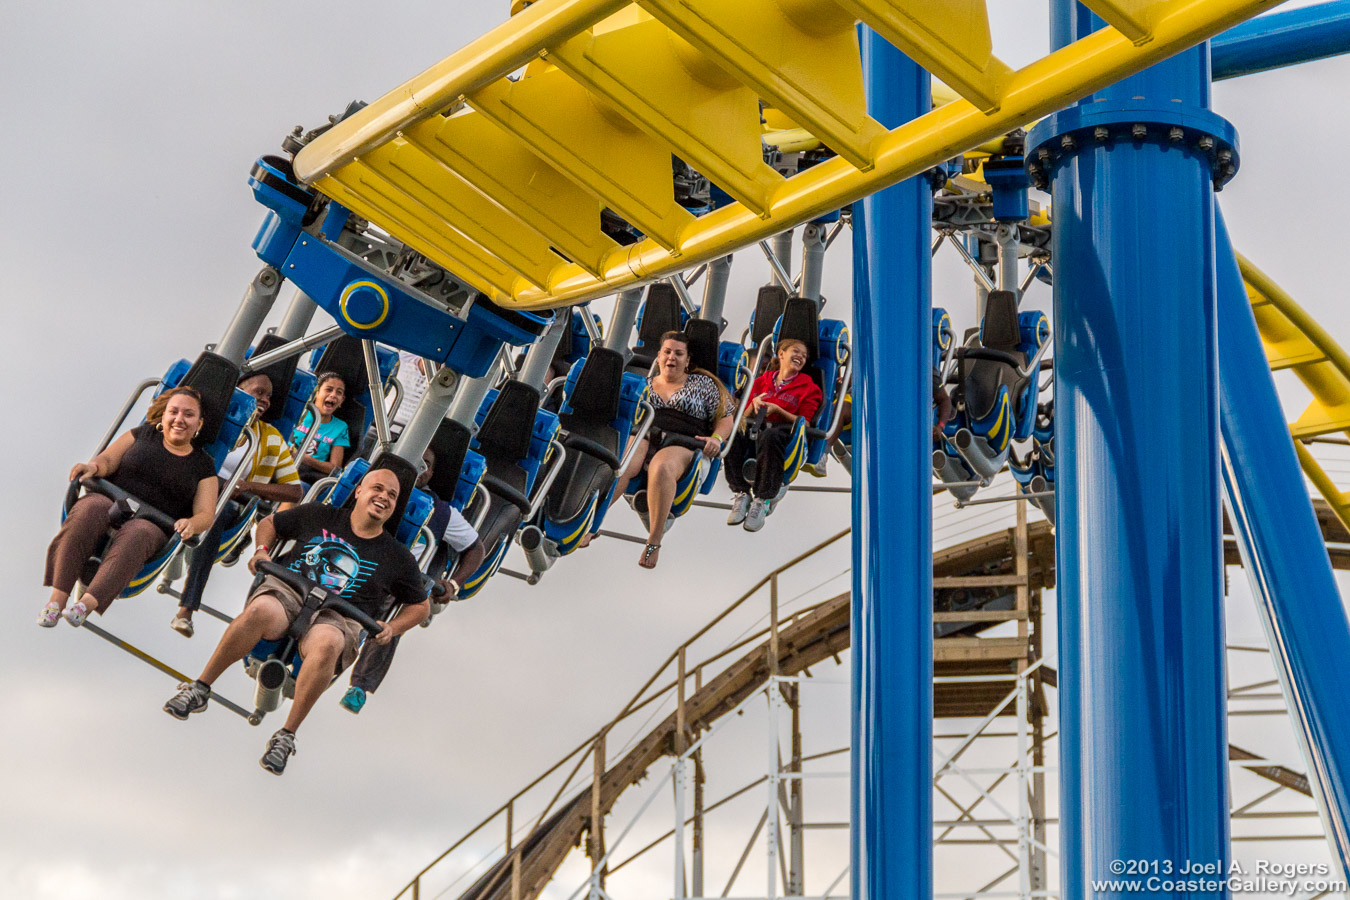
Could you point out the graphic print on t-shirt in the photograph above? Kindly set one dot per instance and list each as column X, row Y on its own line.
column 332, row 563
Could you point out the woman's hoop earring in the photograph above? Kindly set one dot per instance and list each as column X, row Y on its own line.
column 159, row 426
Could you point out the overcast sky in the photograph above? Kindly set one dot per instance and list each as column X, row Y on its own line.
column 125, row 225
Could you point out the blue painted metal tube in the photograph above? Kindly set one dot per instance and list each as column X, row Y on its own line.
column 1282, row 550
column 1143, row 745
column 1282, row 39
column 892, row 511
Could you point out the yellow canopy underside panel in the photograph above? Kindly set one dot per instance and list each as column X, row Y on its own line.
column 508, row 194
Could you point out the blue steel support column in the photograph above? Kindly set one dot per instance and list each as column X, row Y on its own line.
column 892, row 511
column 1282, row 39
column 1143, row 743
column 1282, row 551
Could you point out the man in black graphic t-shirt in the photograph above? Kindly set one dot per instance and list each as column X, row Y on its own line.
column 347, row 552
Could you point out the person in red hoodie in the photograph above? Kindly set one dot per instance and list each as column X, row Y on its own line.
column 783, row 394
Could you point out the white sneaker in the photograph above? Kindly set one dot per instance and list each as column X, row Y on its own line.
column 754, row 517
column 740, row 505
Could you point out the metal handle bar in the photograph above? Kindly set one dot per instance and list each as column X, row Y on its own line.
column 125, row 411
column 559, row 454
column 846, row 385
column 745, row 401
column 644, row 426
column 430, row 548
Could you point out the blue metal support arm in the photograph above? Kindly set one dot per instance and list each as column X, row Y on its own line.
column 1282, row 39
column 1281, row 546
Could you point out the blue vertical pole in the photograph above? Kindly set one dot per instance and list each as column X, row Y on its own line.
column 892, row 511
column 1286, row 563
column 1143, row 744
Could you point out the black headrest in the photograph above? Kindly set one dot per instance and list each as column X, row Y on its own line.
column 596, row 396
column 406, row 473
column 214, row 377
column 801, row 322
column 768, row 307
column 345, row 357
column 999, row 329
column 660, row 313
column 450, row 443
column 506, row 429
column 702, row 335
column 281, row 374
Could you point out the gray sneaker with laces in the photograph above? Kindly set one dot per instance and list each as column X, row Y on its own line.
column 280, row 747
column 740, row 505
column 190, row 698
column 754, row 517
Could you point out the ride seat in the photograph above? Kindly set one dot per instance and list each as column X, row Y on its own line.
column 661, row 312
column 346, row 357
column 413, row 508
column 225, row 410
column 769, row 305
column 999, row 331
column 588, row 413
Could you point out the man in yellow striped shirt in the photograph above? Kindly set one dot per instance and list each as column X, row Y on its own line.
column 270, row 475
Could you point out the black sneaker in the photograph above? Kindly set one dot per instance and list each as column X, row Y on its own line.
column 279, row 748
column 190, row 699
column 233, row 556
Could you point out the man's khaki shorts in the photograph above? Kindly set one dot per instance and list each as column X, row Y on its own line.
column 293, row 603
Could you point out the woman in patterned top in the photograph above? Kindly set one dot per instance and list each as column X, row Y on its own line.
column 692, row 408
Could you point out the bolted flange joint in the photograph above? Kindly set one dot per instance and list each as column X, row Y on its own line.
column 1092, row 127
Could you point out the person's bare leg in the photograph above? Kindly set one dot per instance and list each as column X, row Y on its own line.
column 320, row 649
column 60, row 598
column 263, row 619
column 664, row 471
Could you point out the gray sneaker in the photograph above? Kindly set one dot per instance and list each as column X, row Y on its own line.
column 740, row 505
column 280, row 747
column 191, row 698
column 754, row 518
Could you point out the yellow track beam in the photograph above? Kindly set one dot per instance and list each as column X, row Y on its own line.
column 800, row 57
column 949, row 38
column 595, row 146
column 1294, row 340
column 674, row 242
column 677, row 95
column 504, row 168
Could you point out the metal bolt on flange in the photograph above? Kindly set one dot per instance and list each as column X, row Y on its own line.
column 1101, row 132
column 1043, row 153
column 1225, row 156
column 1067, row 142
column 1139, row 130
column 1205, row 143
column 1176, row 134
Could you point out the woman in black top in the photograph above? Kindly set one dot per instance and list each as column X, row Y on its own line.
column 692, row 409
column 156, row 463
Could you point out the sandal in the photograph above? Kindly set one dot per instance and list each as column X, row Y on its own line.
column 75, row 614
column 649, row 556
column 182, row 625
column 50, row 615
